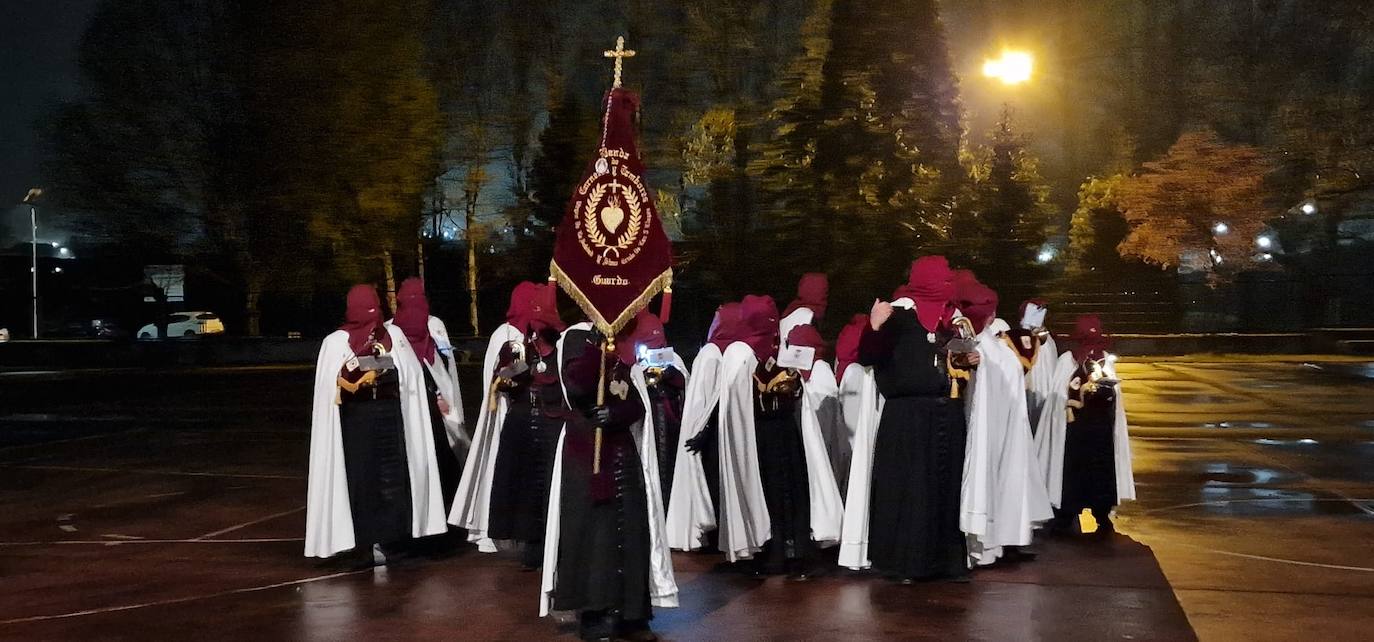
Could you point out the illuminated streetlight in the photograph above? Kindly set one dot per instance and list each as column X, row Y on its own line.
column 30, row 199
column 1309, row 208
column 1013, row 68
column 1045, row 256
column 1221, row 228
column 1264, row 241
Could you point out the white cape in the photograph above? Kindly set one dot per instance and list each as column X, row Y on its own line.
column 1002, row 498
column 1049, row 437
column 1040, row 379
column 818, row 418
column 472, row 503
column 862, row 408
column 328, row 516
column 690, row 510
column 745, row 524
column 662, row 585
column 455, row 420
column 446, row 379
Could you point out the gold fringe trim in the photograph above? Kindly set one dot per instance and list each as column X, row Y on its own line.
column 660, row 283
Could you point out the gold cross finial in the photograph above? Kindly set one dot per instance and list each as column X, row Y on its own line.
column 620, row 53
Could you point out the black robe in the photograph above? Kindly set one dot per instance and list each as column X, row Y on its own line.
column 918, row 457
column 782, row 465
column 524, row 458
column 374, row 448
column 450, row 469
column 603, row 548
column 666, row 397
column 1089, row 457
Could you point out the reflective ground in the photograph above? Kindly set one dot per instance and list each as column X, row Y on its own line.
column 138, row 505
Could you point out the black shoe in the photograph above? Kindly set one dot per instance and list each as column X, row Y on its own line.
column 1105, row 526
column 359, row 561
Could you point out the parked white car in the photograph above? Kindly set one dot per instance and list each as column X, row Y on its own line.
column 185, row 324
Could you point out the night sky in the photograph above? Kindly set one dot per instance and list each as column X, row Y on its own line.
column 38, row 42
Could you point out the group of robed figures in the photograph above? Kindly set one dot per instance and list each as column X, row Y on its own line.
column 936, row 438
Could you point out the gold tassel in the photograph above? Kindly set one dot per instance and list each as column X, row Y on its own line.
column 610, row 328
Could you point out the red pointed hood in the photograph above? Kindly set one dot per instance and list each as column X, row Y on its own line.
column 647, row 332
column 978, row 302
column 728, row 326
column 847, row 344
column 931, row 286
column 1089, row 339
column 534, row 307
column 813, row 293
column 412, row 317
column 363, row 319
column 761, row 322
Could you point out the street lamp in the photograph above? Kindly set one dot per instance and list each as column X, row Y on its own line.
column 1221, row 228
column 1013, row 68
column 31, row 199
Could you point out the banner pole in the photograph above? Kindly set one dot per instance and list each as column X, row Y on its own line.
column 600, row 401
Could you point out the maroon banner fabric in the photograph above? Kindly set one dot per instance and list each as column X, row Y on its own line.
column 612, row 255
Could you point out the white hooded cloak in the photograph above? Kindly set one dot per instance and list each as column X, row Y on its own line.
column 328, row 515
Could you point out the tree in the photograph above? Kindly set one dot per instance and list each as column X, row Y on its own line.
column 864, row 143
column 1201, row 206
column 356, row 151
column 160, row 153
column 1005, row 218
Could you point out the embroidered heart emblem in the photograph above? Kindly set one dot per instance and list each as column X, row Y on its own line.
column 611, row 217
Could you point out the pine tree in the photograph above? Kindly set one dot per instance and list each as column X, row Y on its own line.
column 862, row 159
column 1005, row 218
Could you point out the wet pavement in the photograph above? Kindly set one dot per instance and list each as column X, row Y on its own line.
column 140, row 505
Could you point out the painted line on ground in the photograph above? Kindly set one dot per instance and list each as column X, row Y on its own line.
column 1263, row 558
column 1220, row 502
column 246, row 524
column 180, row 600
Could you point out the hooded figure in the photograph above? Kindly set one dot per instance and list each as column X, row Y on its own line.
column 1036, row 350
column 813, row 292
column 374, row 481
column 930, row 291
column 1082, row 444
column 504, row 490
column 691, row 517
column 918, row 453
column 663, row 377
column 1002, row 498
column 777, row 492
column 605, row 545
column 429, row 338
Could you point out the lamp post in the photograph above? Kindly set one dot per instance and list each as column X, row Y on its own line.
column 31, row 199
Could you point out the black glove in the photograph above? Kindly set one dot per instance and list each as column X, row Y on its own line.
column 699, row 443
column 599, row 415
